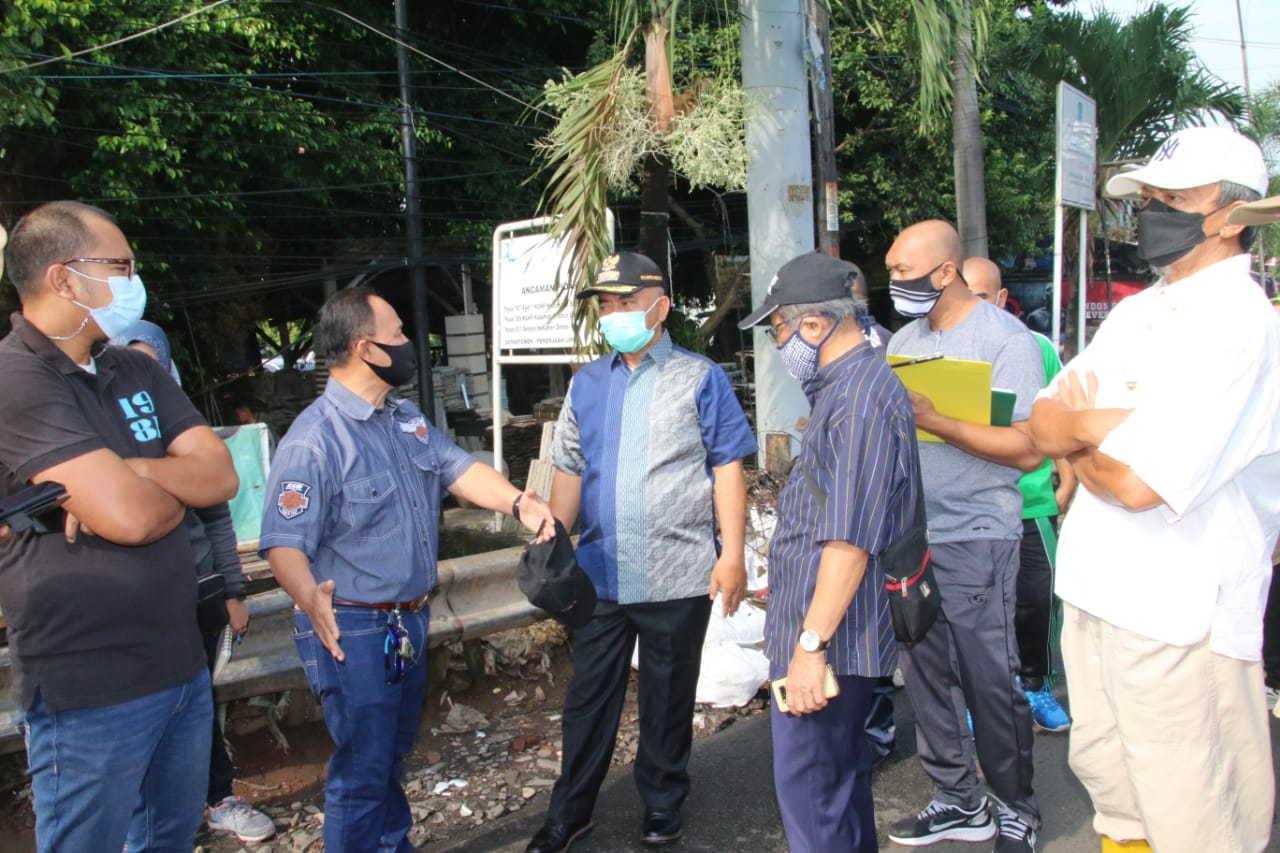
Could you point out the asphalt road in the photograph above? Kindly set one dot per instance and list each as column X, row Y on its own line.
column 732, row 808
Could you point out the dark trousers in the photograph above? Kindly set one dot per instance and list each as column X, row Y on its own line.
column 822, row 773
column 969, row 659
column 670, row 635
column 1271, row 632
column 221, row 771
column 1035, row 602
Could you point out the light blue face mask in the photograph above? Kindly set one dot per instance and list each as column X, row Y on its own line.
column 128, row 301
column 626, row 331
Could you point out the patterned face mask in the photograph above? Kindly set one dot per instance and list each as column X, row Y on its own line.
column 800, row 356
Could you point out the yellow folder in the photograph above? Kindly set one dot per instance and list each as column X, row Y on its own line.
column 957, row 388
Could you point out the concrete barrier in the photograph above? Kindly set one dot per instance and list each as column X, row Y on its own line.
column 475, row 596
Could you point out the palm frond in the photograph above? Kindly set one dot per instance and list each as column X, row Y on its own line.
column 938, row 26
column 1143, row 73
column 577, row 194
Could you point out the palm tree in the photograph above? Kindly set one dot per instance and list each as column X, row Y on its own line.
column 951, row 38
column 1143, row 74
column 614, row 120
column 1145, row 78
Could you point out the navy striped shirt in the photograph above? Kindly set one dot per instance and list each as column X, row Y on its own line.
column 854, row 481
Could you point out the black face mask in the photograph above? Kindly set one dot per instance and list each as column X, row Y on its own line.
column 1166, row 235
column 403, row 366
column 914, row 297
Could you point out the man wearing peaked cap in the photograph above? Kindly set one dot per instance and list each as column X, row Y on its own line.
column 648, row 453
column 849, row 495
column 1163, row 560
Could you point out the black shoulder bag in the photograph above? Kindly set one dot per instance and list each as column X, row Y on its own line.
column 914, row 599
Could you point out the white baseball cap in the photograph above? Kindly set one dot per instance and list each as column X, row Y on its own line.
column 1197, row 157
column 1256, row 212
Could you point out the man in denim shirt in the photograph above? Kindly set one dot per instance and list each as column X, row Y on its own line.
column 351, row 532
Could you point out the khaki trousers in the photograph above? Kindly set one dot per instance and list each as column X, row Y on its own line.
column 1172, row 743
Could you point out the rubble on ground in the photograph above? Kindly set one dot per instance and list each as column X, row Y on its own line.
column 471, row 766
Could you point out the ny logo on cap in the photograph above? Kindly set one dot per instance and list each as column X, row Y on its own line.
column 1166, row 150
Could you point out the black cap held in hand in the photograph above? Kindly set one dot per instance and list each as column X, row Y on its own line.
column 550, row 577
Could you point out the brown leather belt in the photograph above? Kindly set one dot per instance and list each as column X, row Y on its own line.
column 412, row 606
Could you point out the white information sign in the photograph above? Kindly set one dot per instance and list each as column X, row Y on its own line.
column 525, row 312
column 525, row 281
column 1077, row 148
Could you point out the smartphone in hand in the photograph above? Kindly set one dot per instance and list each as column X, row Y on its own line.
column 830, row 689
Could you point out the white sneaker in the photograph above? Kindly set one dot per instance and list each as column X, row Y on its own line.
column 1272, row 695
column 242, row 820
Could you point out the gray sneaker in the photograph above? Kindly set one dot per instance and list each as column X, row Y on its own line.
column 1016, row 834
column 242, row 820
column 944, row 822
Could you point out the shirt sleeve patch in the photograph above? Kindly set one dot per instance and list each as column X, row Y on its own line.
column 417, row 427
column 294, row 499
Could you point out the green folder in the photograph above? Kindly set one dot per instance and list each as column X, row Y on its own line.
column 1002, row 406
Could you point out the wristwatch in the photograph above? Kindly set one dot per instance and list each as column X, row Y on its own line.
column 810, row 641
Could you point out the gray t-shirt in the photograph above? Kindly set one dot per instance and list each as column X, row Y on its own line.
column 968, row 498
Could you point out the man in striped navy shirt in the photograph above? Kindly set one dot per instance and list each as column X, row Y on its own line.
column 850, row 494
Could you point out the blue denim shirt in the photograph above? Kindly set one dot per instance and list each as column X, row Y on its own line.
column 358, row 489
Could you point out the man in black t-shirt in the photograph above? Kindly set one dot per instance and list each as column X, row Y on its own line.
column 107, row 660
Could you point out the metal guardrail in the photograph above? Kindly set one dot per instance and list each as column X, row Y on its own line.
column 475, row 596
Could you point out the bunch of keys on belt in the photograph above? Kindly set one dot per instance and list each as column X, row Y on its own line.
column 397, row 649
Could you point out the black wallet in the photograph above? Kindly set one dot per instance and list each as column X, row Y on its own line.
column 32, row 508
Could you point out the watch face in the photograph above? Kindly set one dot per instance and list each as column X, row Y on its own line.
column 809, row 641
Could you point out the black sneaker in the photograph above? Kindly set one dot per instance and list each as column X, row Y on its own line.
column 944, row 822
column 1016, row 835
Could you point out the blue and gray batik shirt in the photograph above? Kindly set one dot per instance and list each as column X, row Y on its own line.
column 645, row 441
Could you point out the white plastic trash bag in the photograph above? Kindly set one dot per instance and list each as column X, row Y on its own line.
column 731, row 674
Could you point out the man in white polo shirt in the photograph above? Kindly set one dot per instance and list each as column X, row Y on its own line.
column 1163, row 560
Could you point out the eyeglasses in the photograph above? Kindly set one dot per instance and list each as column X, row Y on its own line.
column 772, row 331
column 115, row 262
column 397, row 651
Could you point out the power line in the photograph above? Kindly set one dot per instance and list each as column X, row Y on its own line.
column 114, row 42
column 371, row 28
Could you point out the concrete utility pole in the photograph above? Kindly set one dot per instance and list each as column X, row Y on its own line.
column 779, row 196
column 824, row 124
column 413, row 221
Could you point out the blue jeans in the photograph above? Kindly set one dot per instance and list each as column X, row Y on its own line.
column 372, row 724
column 135, row 771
